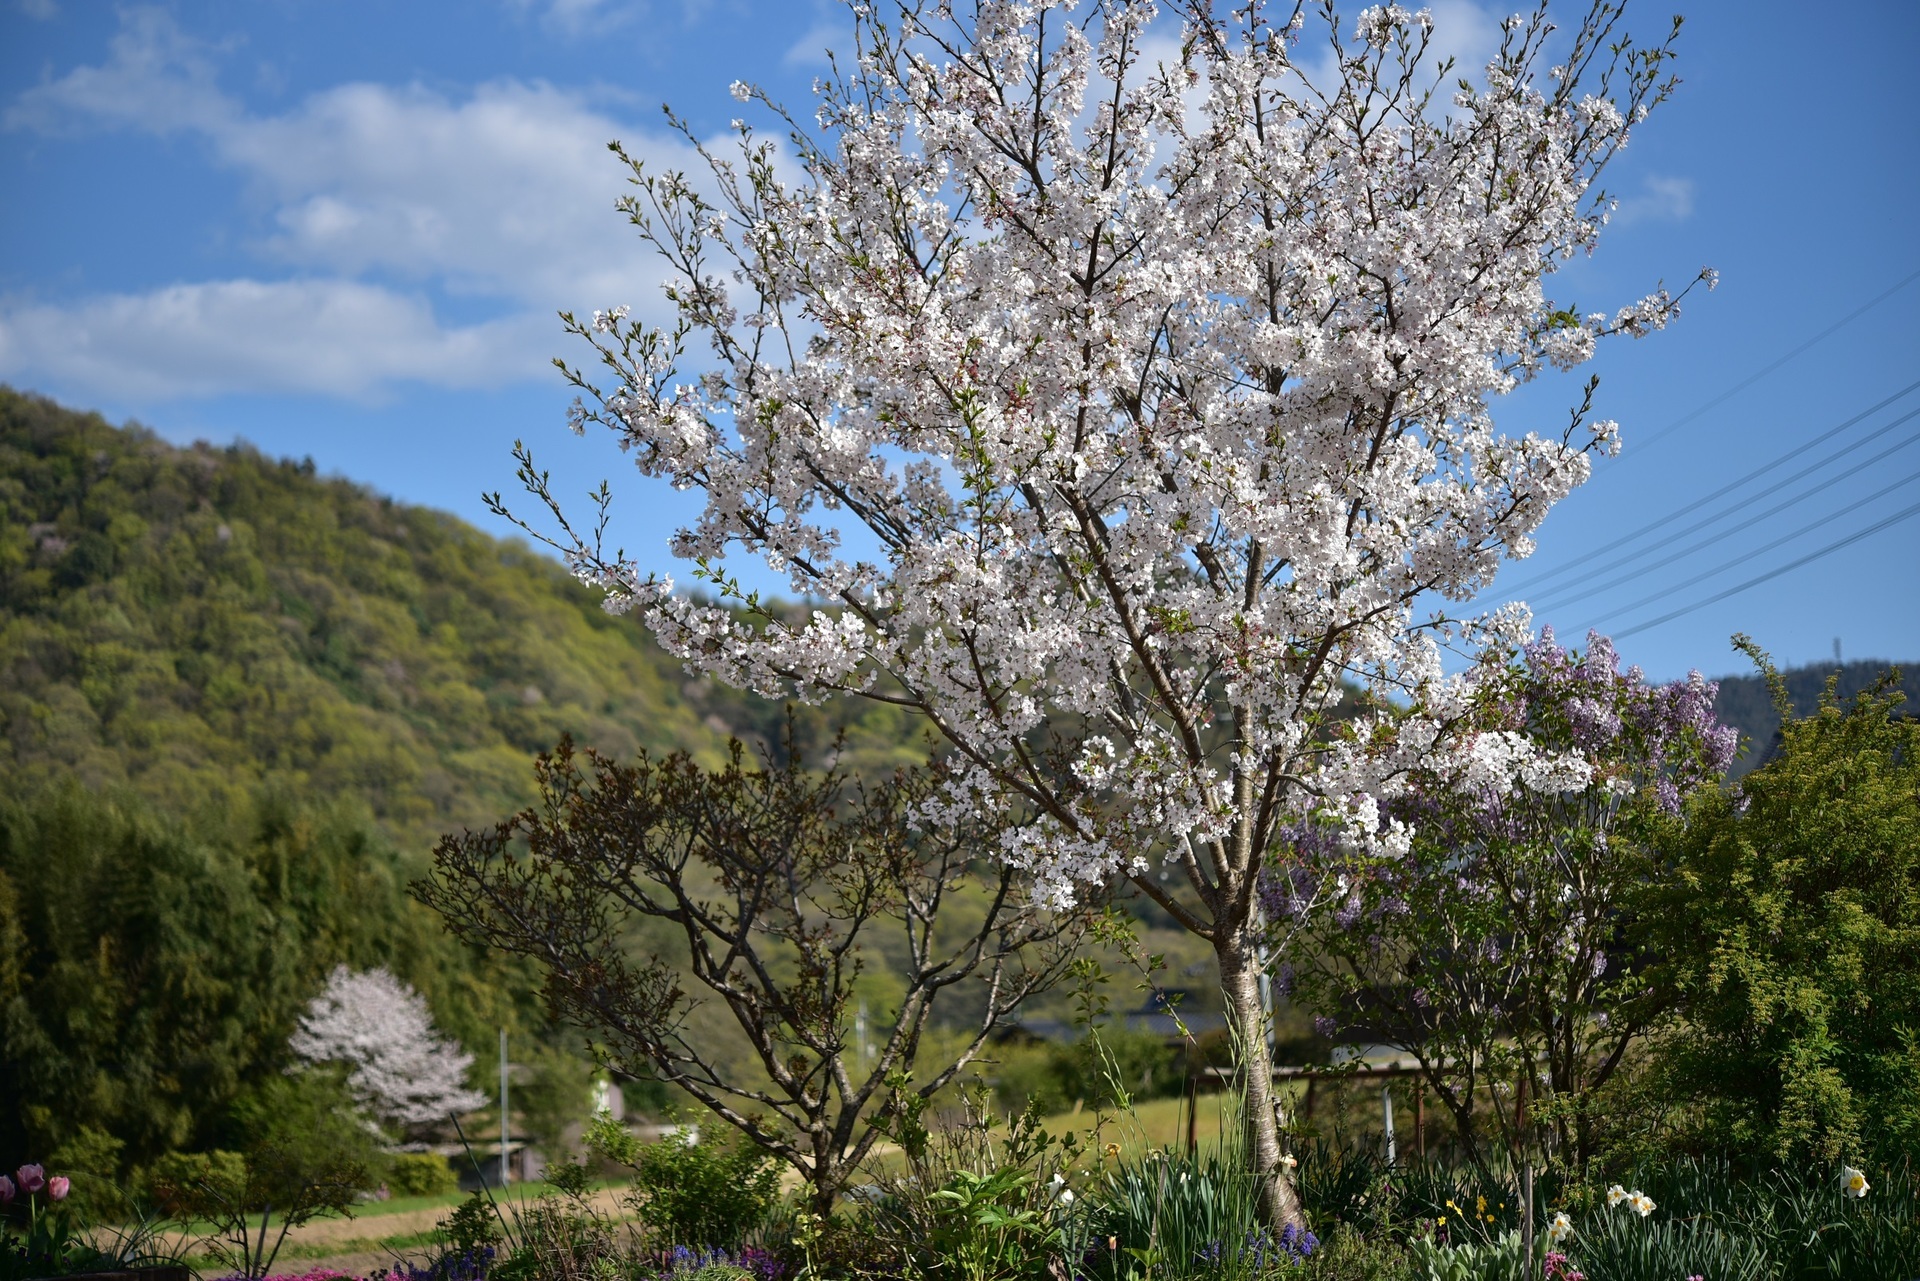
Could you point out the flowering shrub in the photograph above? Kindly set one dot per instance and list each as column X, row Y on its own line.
column 1490, row 948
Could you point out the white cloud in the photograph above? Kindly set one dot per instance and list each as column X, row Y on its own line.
column 1661, row 199
column 505, row 193
column 40, row 10
column 325, row 337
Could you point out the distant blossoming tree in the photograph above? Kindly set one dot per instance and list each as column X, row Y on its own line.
column 1497, row 950
column 401, row 1069
column 1152, row 376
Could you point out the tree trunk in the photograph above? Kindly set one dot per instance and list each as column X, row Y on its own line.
column 1240, row 983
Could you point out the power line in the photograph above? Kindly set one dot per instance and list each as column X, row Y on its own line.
column 1747, row 556
column 1582, row 590
column 1849, row 540
column 1721, row 492
column 1777, row 362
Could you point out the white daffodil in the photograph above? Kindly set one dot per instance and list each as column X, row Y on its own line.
column 1853, row 1182
column 1560, row 1229
column 1640, row 1203
column 1615, row 1195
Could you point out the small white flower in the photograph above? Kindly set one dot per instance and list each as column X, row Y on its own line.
column 1615, row 1195
column 1289, row 1160
column 1853, row 1182
column 1640, row 1203
column 1066, row 1196
column 1560, row 1229
column 741, row 90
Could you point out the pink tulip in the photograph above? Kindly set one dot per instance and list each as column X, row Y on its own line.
column 6, row 1190
column 32, row 1178
column 57, row 1187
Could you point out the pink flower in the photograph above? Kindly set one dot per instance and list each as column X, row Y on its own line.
column 32, row 1178
column 57, row 1187
column 6, row 1190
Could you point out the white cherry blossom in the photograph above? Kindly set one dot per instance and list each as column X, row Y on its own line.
column 402, row 1069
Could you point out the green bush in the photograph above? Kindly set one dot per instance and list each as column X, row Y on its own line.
column 708, row 1193
column 420, row 1174
column 1791, row 939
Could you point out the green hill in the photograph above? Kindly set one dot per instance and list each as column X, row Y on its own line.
column 194, row 623
column 238, row 705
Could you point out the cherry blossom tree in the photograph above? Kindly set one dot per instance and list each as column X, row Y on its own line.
column 1114, row 390
column 401, row 1069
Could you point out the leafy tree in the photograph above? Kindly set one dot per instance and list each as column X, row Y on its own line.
column 1114, row 403
column 775, row 887
column 1791, row 936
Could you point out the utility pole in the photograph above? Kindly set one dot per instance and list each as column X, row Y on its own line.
column 503, row 1107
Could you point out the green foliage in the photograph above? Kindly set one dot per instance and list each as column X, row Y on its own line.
column 420, row 1174
column 90, row 1158
column 981, row 1199
column 1791, row 1222
column 1791, row 938
column 985, row 1227
column 704, row 1193
column 193, row 644
column 1347, row 1254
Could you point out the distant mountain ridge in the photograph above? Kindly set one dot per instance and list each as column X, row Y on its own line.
column 198, row 623
column 1746, row 702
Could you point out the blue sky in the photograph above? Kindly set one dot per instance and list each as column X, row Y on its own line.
column 342, row 229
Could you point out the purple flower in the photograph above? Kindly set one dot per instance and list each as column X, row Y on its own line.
column 6, row 1190
column 32, row 1178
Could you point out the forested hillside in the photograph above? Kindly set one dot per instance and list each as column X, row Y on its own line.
column 238, row 705
column 196, row 623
